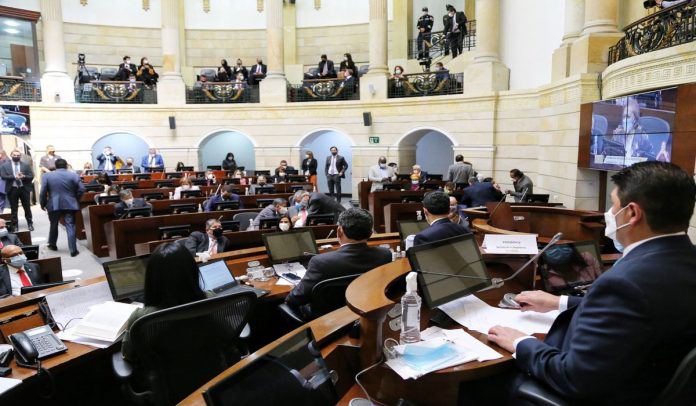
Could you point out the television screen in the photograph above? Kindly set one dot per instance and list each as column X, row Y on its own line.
column 14, row 120
column 632, row 129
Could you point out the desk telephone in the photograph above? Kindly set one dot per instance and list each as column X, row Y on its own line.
column 36, row 344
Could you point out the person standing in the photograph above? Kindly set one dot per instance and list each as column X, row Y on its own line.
column 48, row 161
column 18, row 177
column 335, row 170
column 61, row 191
column 309, row 168
column 425, row 27
column 3, row 198
column 380, row 174
column 460, row 172
column 522, row 184
column 107, row 160
column 151, row 161
column 229, row 164
column 455, row 30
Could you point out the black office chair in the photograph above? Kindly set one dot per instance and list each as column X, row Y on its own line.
column 243, row 219
column 327, row 296
column 181, row 348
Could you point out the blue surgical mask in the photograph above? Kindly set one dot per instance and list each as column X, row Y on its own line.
column 423, row 357
column 3, row 232
column 18, row 261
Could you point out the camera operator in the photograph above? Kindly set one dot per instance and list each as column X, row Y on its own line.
column 83, row 75
column 126, row 69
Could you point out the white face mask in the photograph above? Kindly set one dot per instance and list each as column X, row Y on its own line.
column 397, row 71
column 129, row 202
column 283, row 210
column 437, row 68
column 185, row 187
column 284, row 226
column 611, row 229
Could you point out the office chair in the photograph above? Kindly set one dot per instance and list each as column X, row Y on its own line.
column 108, row 73
column 183, row 347
column 244, row 218
column 327, row 296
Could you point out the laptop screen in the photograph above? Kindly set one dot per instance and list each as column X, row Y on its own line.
column 215, row 275
column 289, row 245
column 126, row 276
column 571, row 264
column 410, row 227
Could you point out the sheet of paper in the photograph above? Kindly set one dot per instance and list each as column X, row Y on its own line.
column 475, row 314
column 69, row 335
column 463, row 340
column 405, row 371
column 510, row 244
column 284, row 282
column 8, row 383
column 72, row 304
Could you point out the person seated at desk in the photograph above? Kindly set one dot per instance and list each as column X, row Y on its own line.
column 319, row 203
column 152, row 160
column 131, row 165
column 455, row 215
column 184, row 185
column 210, row 178
column 436, row 207
column 418, row 176
column 281, row 172
column 353, row 257
column 257, row 73
column 260, row 182
column 298, row 209
column 210, row 242
column 6, row 237
column 623, row 341
column 239, row 175
column 225, row 195
column 171, row 279
column 128, row 202
column 16, row 272
column 284, row 223
column 522, row 185
column 380, row 174
column 480, row 193
column 278, row 208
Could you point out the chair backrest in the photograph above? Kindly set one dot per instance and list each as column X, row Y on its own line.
column 244, row 218
column 108, row 73
column 313, row 71
column 183, row 347
column 682, row 387
column 363, row 69
column 330, row 294
column 209, row 73
column 654, row 125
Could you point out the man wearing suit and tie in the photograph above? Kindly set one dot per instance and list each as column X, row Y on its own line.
column 107, row 160
column 326, row 68
column 152, row 160
column 335, row 170
column 128, row 202
column 460, row 172
column 257, row 72
column 380, row 174
column 16, row 272
column 623, row 341
column 480, row 193
column 436, row 207
column 211, row 242
column 18, row 177
column 61, row 191
column 6, row 237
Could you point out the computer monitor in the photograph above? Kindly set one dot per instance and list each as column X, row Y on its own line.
column 124, row 170
column 199, row 181
column 410, row 227
column 184, row 208
column 429, row 186
column 241, row 168
column 214, row 167
column 174, row 175
column 164, row 183
column 154, row 169
column 185, row 194
column 128, row 185
column 126, row 277
column 403, row 176
column 231, row 205
column 41, row 286
column 566, row 266
column 289, row 245
column 141, row 176
column 138, row 212
column 268, row 224
column 113, row 177
column 296, row 188
column 433, row 176
column 261, row 203
column 93, row 171
column 453, row 256
column 532, row 198
column 232, row 181
column 152, row 196
column 230, row 225
column 393, row 186
column 294, row 368
column 106, row 199
column 297, row 178
column 31, row 252
column 318, row 219
column 186, row 169
column 262, row 172
column 94, row 188
column 264, row 190
column 180, row 231
column 291, row 171
column 216, row 276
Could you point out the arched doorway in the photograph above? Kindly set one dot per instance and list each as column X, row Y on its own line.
column 214, row 147
column 319, row 142
column 427, row 147
column 123, row 144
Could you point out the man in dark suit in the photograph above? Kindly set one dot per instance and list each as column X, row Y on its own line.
column 455, row 30
column 622, row 342
column 436, row 208
column 335, row 170
column 225, row 195
column 107, row 160
column 16, row 272
column 61, row 191
column 211, row 242
column 354, row 257
column 128, row 202
column 326, row 68
column 257, row 73
column 126, row 69
column 349, row 83
column 152, row 160
column 319, row 203
column 18, row 177
column 480, row 193
column 274, row 210
column 7, row 238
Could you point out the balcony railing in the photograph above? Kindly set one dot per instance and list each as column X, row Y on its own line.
column 16, row 88
column 426, row 84
column 439, row 45
column 668, row 27
column 222, row 92
column 323, row 90
column 117, row 92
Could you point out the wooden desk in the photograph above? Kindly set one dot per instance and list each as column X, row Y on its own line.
column 365, row 186
column 379, row 199
column 400, row 211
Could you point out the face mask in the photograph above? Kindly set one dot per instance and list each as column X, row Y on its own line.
column 397, row 71
column 128, row 62
column 284, row 226
column 186, row 187
column 304, row 204
column 383, row 166
column 281, row 173
column 18, row 261
column 451, row 14
column 283, row 210
column 611, row 229
column 3, row 232
column 298, row 206
column 453, row 209
column 217, row 232
column 334, row 153
column 437, row 68
column 306, row 156
column 345, row 59
column 129, row 202
column 16, row 158
column 210, row 176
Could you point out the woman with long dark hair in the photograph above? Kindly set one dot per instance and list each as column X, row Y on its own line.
column 347, row 63
column 309, row 168
column 229, row 164
column 224, row 72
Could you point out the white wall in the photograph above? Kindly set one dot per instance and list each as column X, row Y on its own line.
column 529, row 33
column 224, row 15
column 123, row 13
column 23, row 4
column 335, row 12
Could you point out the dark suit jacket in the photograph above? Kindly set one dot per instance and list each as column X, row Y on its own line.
column 120, row 207
column 349, row 84
column 61, row 190
column 236, row 69
column 440, row 230
column 101, row 158
column 348, row 260
column 480, row 193
column 32, row 271
column 331, row 72
column 198, row 242
column 11, row 239
column 145, row 161
column 7, row 174
column 255, row 69
column 309, row 165
column 461, row 20
column 348, row 65
column 320, row 203
column 123, row 74
column 218, row 199
column 341, row 165
column 622, row 342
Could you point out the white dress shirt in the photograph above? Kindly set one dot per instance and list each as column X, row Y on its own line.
column 332, row 167
column 15, row 280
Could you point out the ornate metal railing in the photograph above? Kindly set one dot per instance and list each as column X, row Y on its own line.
column 666, row 28
column 323, row 90
column 222, row 92
column 438, row 44
column 120, row 92
column 426, row 84
column 16, row 88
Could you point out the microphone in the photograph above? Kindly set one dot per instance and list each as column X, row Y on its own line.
column 309, row 254
column 490, row 216
column 330, row 232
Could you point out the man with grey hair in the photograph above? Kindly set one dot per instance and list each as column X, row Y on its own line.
column 211, row 242
column 274, row 210
column 298, row 211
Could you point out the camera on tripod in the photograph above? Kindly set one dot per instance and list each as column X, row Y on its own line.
column 83, row 75
column 425, row 63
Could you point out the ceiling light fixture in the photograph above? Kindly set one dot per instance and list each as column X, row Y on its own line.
column 11, row 30
column 11, row 23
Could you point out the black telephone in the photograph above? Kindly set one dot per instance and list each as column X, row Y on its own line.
column 34, row 344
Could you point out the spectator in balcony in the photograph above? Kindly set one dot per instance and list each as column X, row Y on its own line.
column 349, row 83
column 440, row 72
column 309, row 168
column 455, row 30
column 347, row 63
column 201, row 80
column 240, row 68
column 398, row 80
column 668, row 3
column 326, row 68
column 398, row 72
column 425, row 27
column 239, row 82
column 229, row 164
column 224, row 72
column 125, row 70
column 258, row 72
column 146, row 73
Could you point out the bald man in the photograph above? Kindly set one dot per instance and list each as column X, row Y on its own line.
column 16, row 272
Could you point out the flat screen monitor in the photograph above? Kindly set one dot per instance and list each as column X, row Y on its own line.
column 164, row 183
column 453, row 256
column 264, row 190
column 318, row 219
column 412, row 199
column 174, row 175
column 128, row 185
column 106, row 199
column 15, row 118
column 565, row 266
column 168, row 232
column 268, row 224
column 429, row 186
column 126, row 277
column 190, row 193
column 199, row 181
column 186, row 169
column 232, row 181
column 216, row 276
column 292, row 171
column 93, row 171
column 262, row 172
column 184, row 208
column 35, row 288
column 241, row 168
column 297, row 178
column 403, row 176
column 410, row 227
column 232, row 205
column 138, row 212
column 537, row 198
column 290, row 245
column 124, row 170
column 152, row 196
column 392, row 186
column 296, row 188
column 94, row 188
column 433, row 176
column 141, row 176
column 214, row 167
column 230, row 225
column 261, row 203
column 31, row 252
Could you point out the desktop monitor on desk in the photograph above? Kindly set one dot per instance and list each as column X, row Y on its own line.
column 230, row 225
column 289, row 246
column 184, row 208
column 432, row 176
column 124, row 171
column 453, row 256
column 174, row 175
column 186, row 169
column 537, row 198
column 410, row 227
column 94, row 188
column 232, row 181
column 319, row 219
column 180, row 231
column 403, row 176
column 31, row 252
column 190, row 193
column 141, row 176
column 152, row 196
column 126, row 277
column 106, row 199
column 262, row 172
column 214, row 167
column 264, row 190
column 393, row 186
column 138, row 212
column 268, row 224
column 128, row 185
column 164, row 183
column 297, row 178
column 231, row 205
column 262, row 203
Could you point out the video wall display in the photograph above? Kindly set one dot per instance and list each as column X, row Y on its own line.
column 14, row 120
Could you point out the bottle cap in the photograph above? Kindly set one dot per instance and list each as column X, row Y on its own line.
column 411, row 282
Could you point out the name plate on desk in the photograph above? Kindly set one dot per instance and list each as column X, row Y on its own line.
column 510, row 244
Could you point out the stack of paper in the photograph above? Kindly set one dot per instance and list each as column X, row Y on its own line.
column 70, row 305
column 8, row 383
column 105, row 322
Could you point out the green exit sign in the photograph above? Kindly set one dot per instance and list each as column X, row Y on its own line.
column 374, row 140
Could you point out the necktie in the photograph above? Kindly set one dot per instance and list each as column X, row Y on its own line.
column 23, row 277
column 213, row 248
column 325, row 71
column 152, row 161
column 1, row 245
column 304, row 216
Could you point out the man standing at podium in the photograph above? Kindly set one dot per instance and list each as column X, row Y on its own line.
column 152, row 160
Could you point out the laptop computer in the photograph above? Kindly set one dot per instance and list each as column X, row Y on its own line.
column 217, row 278
column 286, row 248
column 126, row 278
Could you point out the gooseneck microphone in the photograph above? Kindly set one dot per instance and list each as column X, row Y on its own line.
column 490, row 216
column 524, row 194
column 330, row 232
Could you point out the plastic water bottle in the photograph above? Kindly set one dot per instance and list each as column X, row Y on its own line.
column 419, row 216
column 251, row 224
column 410, row 312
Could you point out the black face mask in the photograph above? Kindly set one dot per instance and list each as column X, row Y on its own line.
column 16, row 158
column 334, row 153
column 217, row 233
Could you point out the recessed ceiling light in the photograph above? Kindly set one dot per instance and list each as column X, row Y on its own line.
column 11, row 30
column 12, row 23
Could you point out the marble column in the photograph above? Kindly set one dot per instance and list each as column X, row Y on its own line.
column 274, row 86
column 487, row 73
column 589, row 53
column 56, row 84
column 573, row 23
column 601, row 16
column 373, row 85
column 171, row 89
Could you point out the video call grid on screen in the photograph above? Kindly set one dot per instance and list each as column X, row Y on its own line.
column 289, row 246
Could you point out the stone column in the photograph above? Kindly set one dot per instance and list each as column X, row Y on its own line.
column 403, row 30
column 274, row 86
column 373, row 85
column 589, row 53
column 487, row 73
column 56, row 85
column 574, row 21
column 600, row 16
column 171, row 89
